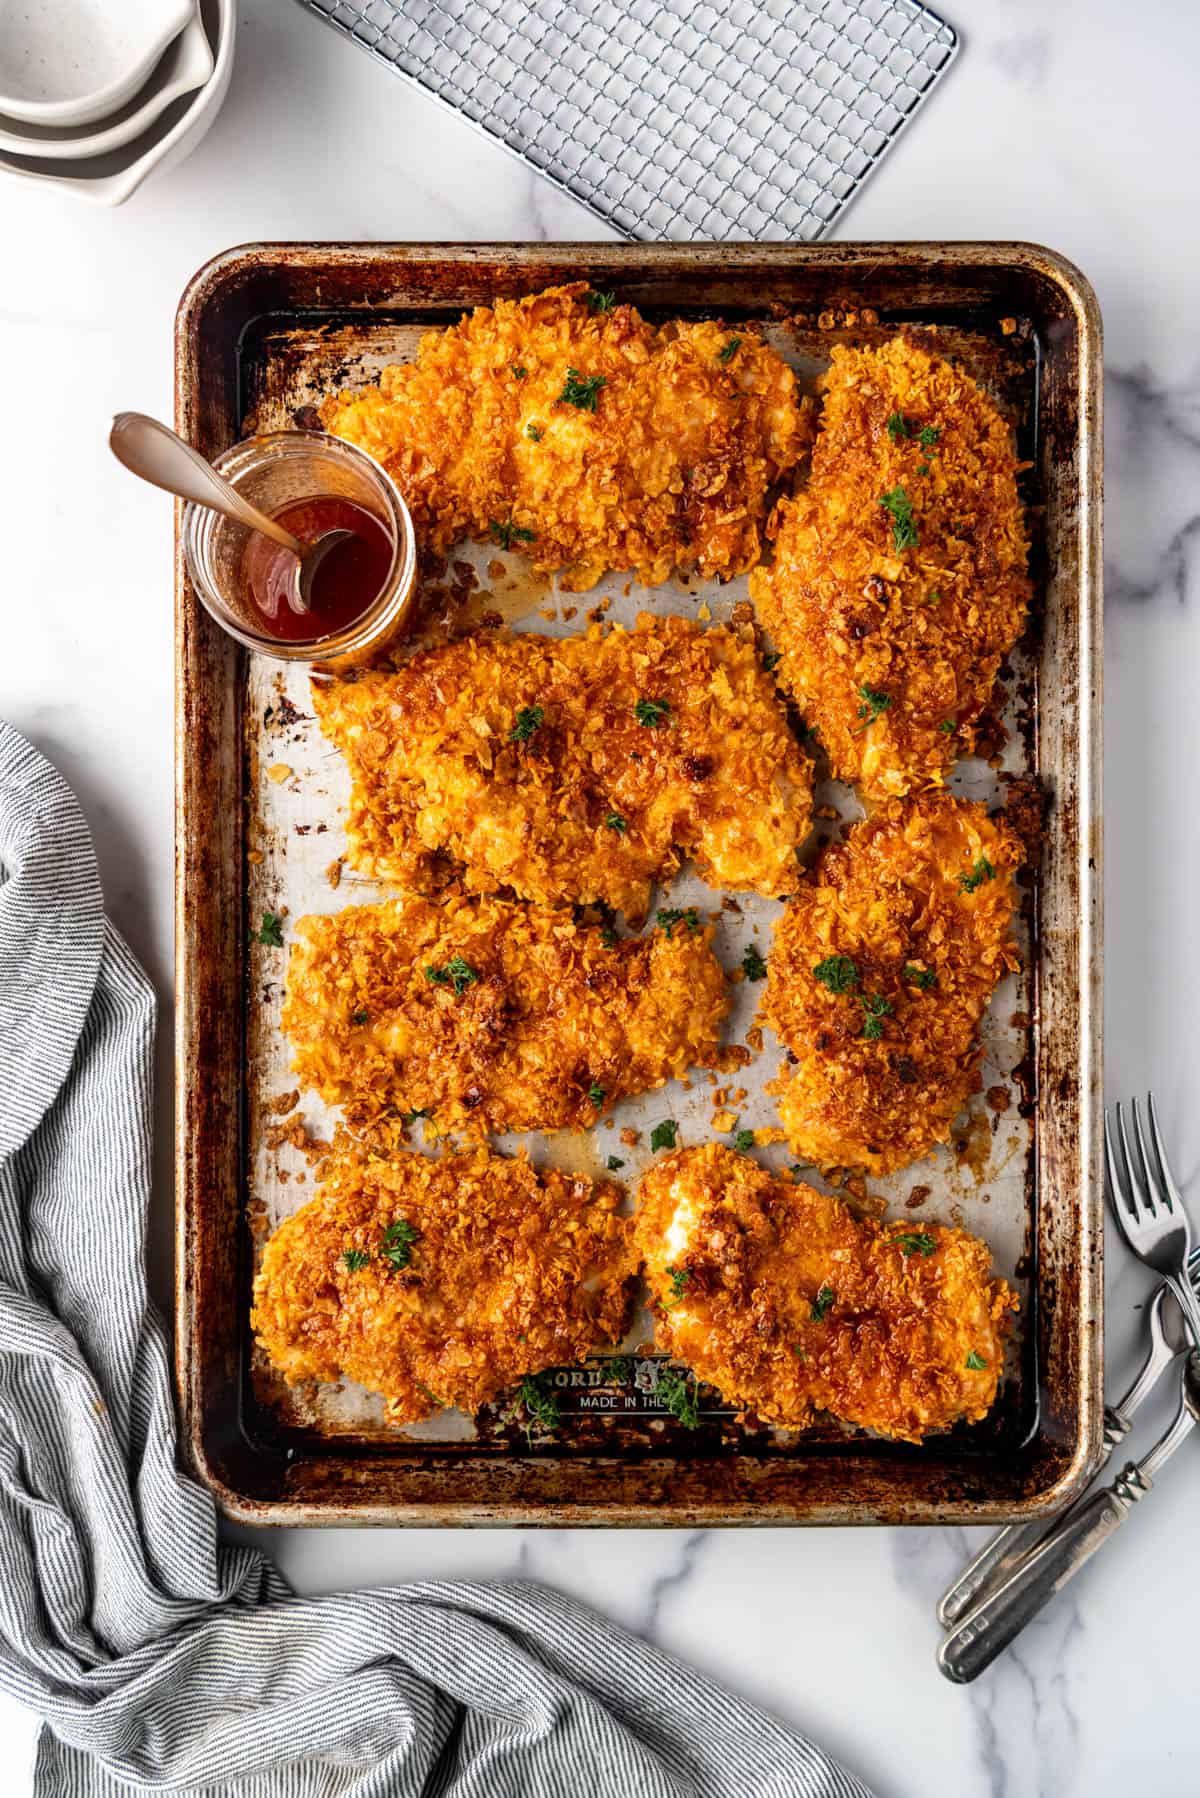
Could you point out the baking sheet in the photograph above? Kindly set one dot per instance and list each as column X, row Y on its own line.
column 299, row 785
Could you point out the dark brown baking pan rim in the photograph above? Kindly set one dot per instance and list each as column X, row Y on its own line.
column 269, row 1477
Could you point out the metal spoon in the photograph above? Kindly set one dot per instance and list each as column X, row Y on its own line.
column 153, row 451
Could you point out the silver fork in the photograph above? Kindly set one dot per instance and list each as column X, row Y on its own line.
column 1148, row 1207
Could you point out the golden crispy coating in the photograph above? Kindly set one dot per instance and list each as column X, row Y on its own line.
column 574, row 768
column 879, row 976
column 442, row 1282
column 496, row 1015
column 890, row 645
column 790, row 1305
column 592, row 440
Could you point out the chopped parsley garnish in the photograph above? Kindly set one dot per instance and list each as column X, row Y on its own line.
column 270, row 931
column 671, row 916
column 772, row 661
column 398, row 1240
column 753, row 965
column 651, row 712
column 596, row 1095
column 508, row 533
column 679, row 1277
column 613, row 1163
column 914, row 1242
column 928, row 436
column 676, row 1393
column 904, row 528
column 356, row 1259
column 874, row 702
column 528, row 719
column 726, row 355
column 541, row 1407
column 822, row 1304
column 609, row 937
column 663, row 1135
column 618, row 1368
column 616, row 822
column 975, row 1361
column 361, row 1017
column 743, row 1141
column 837, row 972
column 533, row 433
column 410, row 1117
column 457, row 973
column 925, row 978
column 898, row 427
column 922, row 468
column 582, row 390
column 875, row 1009
column 983, row 870
column 519, row 373
column 601, row 302
column 948, row 727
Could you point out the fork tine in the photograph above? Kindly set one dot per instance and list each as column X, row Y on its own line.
column 1157, row 1188
column 1141, row 1198
column 1175, row 1197
column 1117, row 1183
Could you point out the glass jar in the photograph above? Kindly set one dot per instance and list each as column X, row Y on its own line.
column 275, row 472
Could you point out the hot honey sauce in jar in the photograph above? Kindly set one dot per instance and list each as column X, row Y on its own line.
column 357, row 589
column 347, row 580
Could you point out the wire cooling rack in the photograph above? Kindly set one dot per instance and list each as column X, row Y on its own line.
column 671, row 118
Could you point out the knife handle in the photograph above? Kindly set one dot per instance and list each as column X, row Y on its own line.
column 1003, row 1553
column 1070, row 1545
column 999, row 1620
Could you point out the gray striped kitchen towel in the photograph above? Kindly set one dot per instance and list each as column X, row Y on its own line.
column 160, row 1658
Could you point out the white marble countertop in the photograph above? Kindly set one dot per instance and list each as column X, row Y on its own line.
column 1070, row 123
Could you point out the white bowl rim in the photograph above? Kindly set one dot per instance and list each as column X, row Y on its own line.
column 194, row 49
column 114, row 189
column 84, row 109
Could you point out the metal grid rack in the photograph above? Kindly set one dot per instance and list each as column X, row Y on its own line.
column 669, row 119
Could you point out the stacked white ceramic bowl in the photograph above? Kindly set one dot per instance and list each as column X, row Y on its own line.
column 97, row 94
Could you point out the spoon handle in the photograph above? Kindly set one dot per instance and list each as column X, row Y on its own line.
column 153, row 451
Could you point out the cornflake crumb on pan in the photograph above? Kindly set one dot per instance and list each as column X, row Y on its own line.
column 790, row 1305
column 899, row 581
column 589, row 439
column 494, row 1015
column 579, row 768
column 442, row 1282
column 879, row 976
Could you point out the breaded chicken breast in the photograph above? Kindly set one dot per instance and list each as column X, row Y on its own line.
column 574, row 768
column 570, row 428
column 790, row 1305
column 442, row 1282
column 879, row 976
column 494, row 1015
column 899, row 580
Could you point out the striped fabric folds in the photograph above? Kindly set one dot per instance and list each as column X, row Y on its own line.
column 159, row 1658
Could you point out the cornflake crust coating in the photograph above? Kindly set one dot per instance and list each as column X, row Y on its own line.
column 576, row 769
column 899, row 581
column 567, row 427
column 879, row 976
column 493, row 1015
column 792, row 1306
column 444, row 1282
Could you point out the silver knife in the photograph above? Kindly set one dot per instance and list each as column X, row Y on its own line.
column 1003, row 1553
column 1001, row 1617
